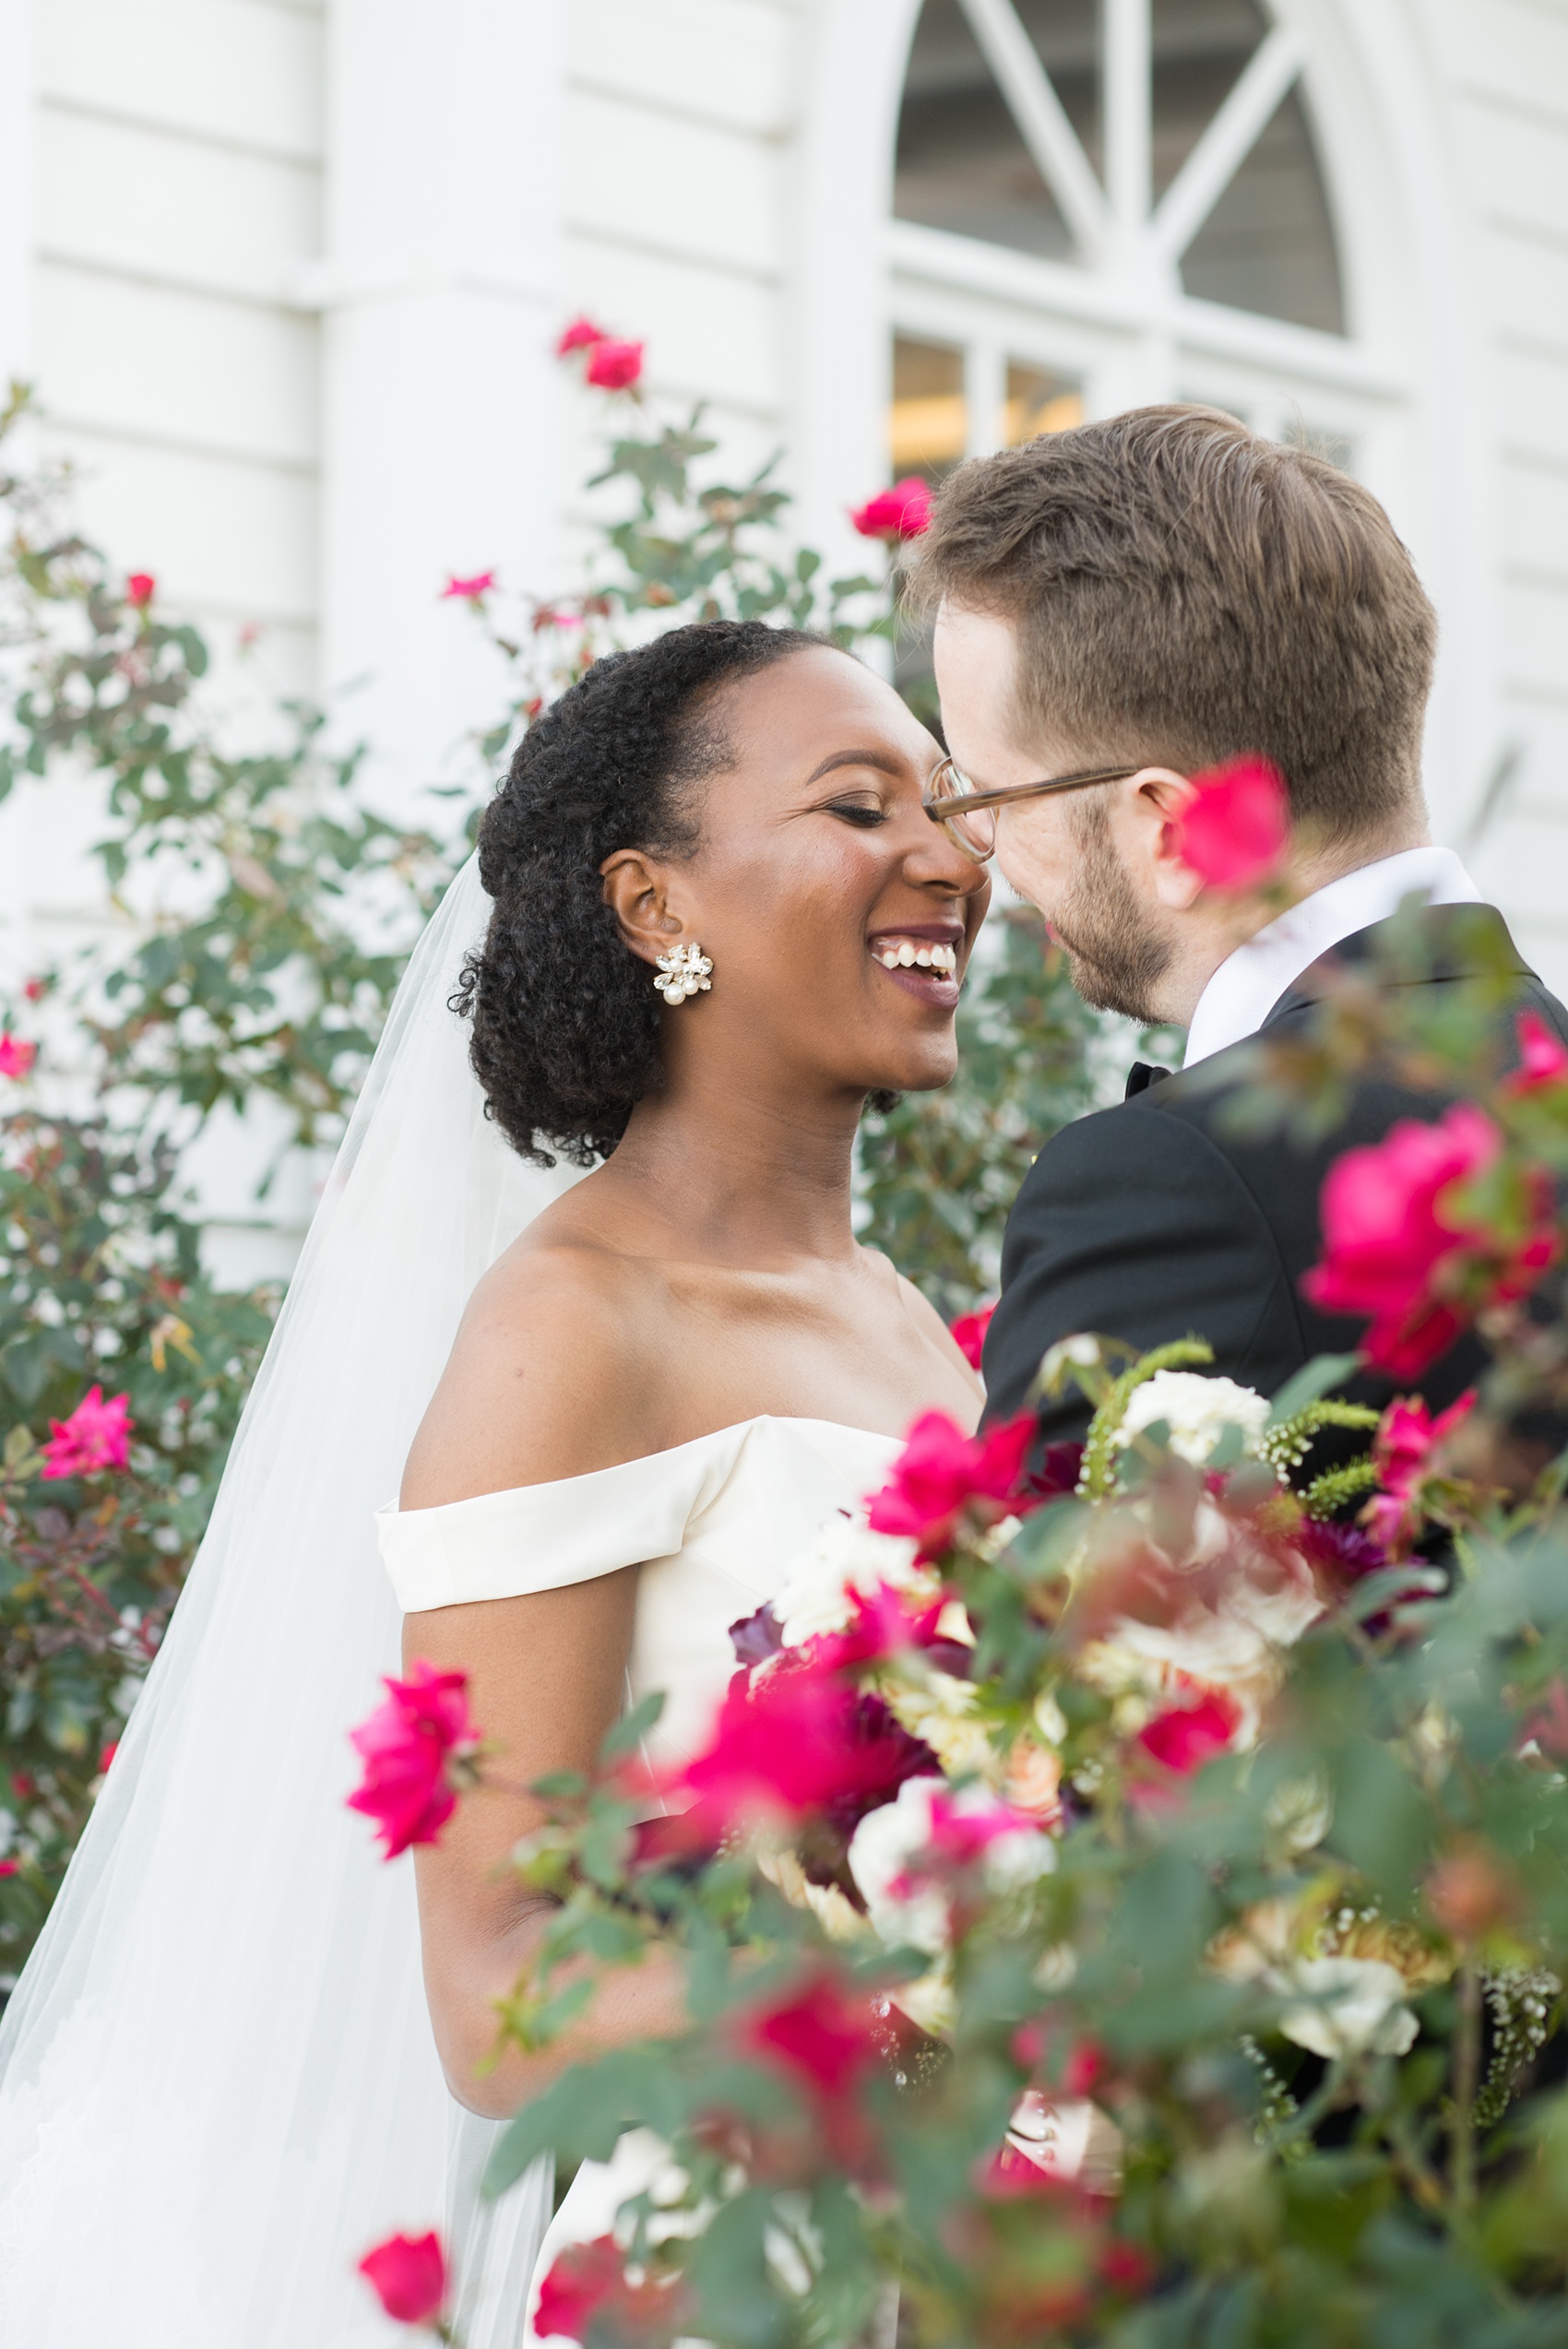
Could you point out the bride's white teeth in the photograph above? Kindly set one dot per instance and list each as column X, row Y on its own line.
column 890, row 961
column 924, row 956
column 906, row 956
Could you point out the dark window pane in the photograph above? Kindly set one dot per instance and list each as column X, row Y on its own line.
column 1268, row 244
column 1200, row 50
column 928, row 429
column 962, row 165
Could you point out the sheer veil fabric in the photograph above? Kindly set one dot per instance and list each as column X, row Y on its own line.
column 219, row 2083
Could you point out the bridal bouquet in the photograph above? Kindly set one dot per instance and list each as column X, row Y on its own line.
column 1121, row 1900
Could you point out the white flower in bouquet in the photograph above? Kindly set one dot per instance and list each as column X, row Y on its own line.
column 1197, row 1410
column 846, row 1559
column 939, row 1709
column 907, row 1908
column 1357, row 2008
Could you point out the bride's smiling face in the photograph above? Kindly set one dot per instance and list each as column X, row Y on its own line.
column 838, row 917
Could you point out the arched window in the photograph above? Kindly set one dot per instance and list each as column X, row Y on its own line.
column 1099, row 203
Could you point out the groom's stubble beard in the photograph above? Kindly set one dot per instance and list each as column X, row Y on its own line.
column 1115, row 959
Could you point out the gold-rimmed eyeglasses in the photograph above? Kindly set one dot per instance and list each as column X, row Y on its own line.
column 968, row 816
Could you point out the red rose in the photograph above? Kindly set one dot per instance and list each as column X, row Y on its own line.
column 418, row 1750
column 1235, row 830
column 469, row 590
column 1407, row 1435
column 941, row 1471
column 1401, row 1245
column 968, row 1334
column 793, row 1738
column 1542, row 1060
column 902, row 512
column 16, row 1057
column 581, row 335
column 614, row 366
column 140, row 587
column 97, row 1435
column 1186, row 1735
column 589, row 2281
column 820, row 2035
column 407, row 2274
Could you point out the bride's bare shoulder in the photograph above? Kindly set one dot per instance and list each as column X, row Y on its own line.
column 553, row 1372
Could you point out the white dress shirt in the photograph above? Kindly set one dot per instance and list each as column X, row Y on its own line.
column 1249, row 983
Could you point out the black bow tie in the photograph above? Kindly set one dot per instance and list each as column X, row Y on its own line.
column 1141, row 1075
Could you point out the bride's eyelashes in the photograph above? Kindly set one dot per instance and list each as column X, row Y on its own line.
column 864, row 815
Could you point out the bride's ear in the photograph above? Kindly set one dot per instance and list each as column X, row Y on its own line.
column 635, row 890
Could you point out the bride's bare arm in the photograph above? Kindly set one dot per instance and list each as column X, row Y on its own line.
column 545, row 1381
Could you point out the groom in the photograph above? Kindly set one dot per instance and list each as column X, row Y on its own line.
column 1152, row 595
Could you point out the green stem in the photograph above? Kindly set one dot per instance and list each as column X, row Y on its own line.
column 1467, row 2074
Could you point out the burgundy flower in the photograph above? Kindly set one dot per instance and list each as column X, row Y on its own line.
column 97, row 1435
column 902, row 512
column 16, row 1056
column 968, row 1334
column 614, row 366
column 756, row 1637
column 942, row 1471
column 1235, row 831
column 1403, row 1246
column 418, row 1750
column 407, row 2274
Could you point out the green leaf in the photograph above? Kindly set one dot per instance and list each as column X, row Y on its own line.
column 1314, row 1379
column 632, row 1727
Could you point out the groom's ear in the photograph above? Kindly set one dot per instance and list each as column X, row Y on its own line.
column 635, row 890
column 1158, row 797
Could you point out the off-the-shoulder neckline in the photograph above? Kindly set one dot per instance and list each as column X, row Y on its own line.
column 643, row 1460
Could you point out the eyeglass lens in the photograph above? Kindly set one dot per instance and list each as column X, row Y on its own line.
column 974, row 830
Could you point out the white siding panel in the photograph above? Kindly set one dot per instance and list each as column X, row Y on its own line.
column 1526, row 277
column 216, row 69
column 710, row 335
column 1518, row 166
column 728, row 59
column 1510, row 49
column 698, row 191
column 134, row 200
column 178, row 367
column 1533, row 397
column 1535, row 638
column 1535, row 519
column 220, row 536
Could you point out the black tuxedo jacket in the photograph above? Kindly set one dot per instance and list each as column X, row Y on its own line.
column 1147, row 1222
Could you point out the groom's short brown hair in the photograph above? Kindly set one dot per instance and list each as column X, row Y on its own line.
column 1183, row 590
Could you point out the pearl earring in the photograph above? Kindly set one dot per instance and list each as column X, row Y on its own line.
column 685, row 972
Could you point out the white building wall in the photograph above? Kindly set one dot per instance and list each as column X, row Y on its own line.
column 196, row 307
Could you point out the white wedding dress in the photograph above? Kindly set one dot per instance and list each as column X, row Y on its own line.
column 715, row 1523
column 219, row 2084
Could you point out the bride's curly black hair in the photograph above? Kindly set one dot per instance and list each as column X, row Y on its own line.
column 565, row 1018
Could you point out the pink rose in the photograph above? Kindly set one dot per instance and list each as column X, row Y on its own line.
column 469, row 590
column 963, row 1833
column 581, row 335
column 407, row 2274
column 1186, row 1735
column 942, row 1471
column 419, row 1749
column 614, row 366
column 140, row 588
column 968, row 1334
column 35, row 989
column 1236, row 829
column 10, row 1867
column 902, row 512
column 16, row 1057
column 1400, row 1246
column 821, row 2036
column 97, row 1435
column 1408, row 1437
column 1542, row 1060
column 792, row 1737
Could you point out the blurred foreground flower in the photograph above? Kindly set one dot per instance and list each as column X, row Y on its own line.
column 902, row 512
column 96, row 1435
column 941, row 1472
column 1408, row 1438
column 407, row 2274
column 419, row 1751
column 581, row 335
column 16, row 1056
column 1542, row 1060
column 1236, row 829
column 968, row 1334
column 589, row 2291
column 468, row 590
column 1408, row 1243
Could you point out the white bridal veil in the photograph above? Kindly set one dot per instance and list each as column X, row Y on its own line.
column 219, row 2083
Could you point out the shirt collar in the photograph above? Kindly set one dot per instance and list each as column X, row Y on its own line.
column 1248, row 982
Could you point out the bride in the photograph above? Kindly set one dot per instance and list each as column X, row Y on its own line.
column 721, row 920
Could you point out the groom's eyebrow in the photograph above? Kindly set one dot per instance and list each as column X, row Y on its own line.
column 883, row 760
